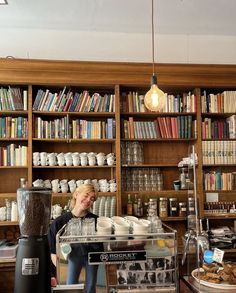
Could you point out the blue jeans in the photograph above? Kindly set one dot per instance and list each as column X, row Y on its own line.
column 76, row 261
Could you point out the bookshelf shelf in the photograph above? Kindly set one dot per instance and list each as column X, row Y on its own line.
column 221, row 191
column 155, row 114
column 6, row 195
column 150, row 165
column 160, row 139
column 71, row 140
column 179, row 193
column 217, row 165
column 75, row 114
column 218, row 139
column 74, row 167
column 14, row 113
column 220, row 216
column 92, row 114
column 69, row 194
column 8, row 223
column 218, row 115
column 13, row 167
column 169, row 219
column 9, row 139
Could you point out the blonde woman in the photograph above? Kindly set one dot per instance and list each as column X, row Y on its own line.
column 81, row 202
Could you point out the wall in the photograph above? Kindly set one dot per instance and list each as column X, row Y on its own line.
column 97, row 46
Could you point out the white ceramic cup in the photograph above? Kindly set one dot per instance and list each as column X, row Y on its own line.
column 110, row 161
column 51, row 159
column 61, row 159
column 55, row 186
column 43, row 158
column 100, row 160
column 79, row 182
column 38, row 183
column 75, row 158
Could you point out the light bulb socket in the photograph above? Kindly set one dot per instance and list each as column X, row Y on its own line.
column 153, row 79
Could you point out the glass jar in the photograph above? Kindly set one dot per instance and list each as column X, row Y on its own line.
column 191, row 206
column 163, row 207
column 152, row 207
column 182, row 209
column 23, row 182
column 173, row 207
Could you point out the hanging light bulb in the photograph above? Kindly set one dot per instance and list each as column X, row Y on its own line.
column 154, row 99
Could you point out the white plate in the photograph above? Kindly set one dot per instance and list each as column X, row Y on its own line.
column 223, row 285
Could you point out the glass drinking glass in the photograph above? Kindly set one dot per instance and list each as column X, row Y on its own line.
column 88, row 226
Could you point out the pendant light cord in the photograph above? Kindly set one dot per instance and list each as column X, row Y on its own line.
column 153, row 61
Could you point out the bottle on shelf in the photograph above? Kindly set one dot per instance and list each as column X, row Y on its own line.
column 8, row 209
column 135, row 205
column 129, row 206
column 14, row 214
column 140, row 208
column 183, row 176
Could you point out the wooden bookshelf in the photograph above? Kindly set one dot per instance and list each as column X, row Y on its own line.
column 113, row 78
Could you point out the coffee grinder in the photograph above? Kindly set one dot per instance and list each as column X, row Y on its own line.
column 32, row 272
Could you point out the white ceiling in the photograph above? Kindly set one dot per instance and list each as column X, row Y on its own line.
column 191, row 17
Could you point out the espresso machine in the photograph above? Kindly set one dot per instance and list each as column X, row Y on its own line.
column 32, row 272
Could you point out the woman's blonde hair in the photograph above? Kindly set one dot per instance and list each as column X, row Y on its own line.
column 84, row 188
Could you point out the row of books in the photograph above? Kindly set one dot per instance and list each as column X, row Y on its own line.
column 218, row 103
column 13, row 98
column 85, row 129
column 134, row 102
column 219, row 207
column 55, row 128
column 219, row 152
column 13, row 127
column 185, row 103
column 78, row 128
column 162, row 127
column 73, row 102
column 219, row 181
column 13, row 155
column 220, row 129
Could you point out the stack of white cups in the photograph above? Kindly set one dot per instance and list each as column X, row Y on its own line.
column 104, row 227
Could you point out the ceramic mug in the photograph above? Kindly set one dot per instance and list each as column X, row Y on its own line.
column 43, row 158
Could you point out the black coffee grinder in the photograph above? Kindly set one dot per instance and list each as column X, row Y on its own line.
column 32, row 272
